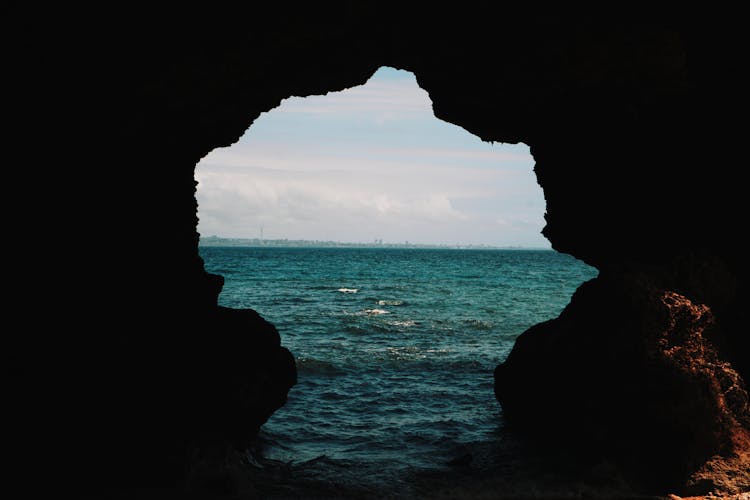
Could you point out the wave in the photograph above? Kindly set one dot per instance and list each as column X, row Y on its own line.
column 390, row 302
column 478, row 324
column 348, row 290
column 356, row 329
column 407, row 322
column 415, row 351
column 375, row 312
column 407, row 352
column 353, row 316
column 292, row 300
column 317, row 366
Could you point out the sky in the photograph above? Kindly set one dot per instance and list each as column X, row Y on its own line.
column 365, row 164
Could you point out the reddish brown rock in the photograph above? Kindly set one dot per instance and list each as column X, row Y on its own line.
column 629, row 372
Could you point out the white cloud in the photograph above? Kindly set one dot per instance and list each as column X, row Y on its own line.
column 303, row 171
column 395, row 99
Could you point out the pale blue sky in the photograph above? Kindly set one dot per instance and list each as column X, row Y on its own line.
column 369, row 163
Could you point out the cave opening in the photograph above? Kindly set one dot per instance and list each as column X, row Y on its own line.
column 398, row 255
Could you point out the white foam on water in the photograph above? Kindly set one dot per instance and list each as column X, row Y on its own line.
column 407, row 322
column 390, row 302
column 375, row 311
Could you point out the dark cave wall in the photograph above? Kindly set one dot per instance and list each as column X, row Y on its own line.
column 631, row 120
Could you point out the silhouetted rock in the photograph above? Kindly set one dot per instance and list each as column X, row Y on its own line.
column 629, row 372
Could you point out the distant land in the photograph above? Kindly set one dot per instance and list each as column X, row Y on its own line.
column 216, row 241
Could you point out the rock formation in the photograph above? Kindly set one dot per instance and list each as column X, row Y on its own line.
column 119, row 359
column 630, row 372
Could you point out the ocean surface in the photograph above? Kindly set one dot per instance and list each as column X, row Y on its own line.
column 395, row 348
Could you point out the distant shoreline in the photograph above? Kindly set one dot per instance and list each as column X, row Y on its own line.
column 216, row 241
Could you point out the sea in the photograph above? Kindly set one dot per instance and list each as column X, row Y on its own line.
column 395, row 348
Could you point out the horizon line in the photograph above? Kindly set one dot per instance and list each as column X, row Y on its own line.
column 378, row 242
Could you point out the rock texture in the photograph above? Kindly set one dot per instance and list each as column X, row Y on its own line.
column 631, row 374
column 632, row 120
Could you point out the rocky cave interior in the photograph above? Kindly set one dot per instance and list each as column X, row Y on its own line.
column 133, row 364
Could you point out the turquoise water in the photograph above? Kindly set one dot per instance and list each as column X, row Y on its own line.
column 395, row 348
